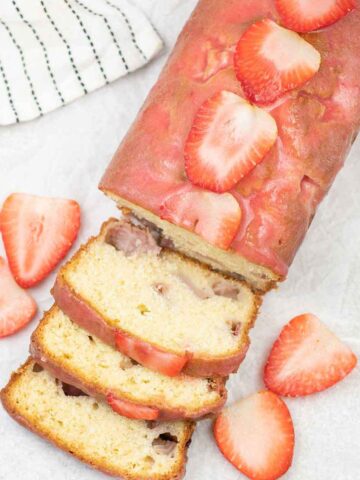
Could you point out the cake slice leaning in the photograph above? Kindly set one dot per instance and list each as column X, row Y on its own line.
column 92, row 432
column 167, row 312
column 84, row 361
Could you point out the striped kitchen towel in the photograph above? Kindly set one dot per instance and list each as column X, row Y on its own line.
column 54, row 51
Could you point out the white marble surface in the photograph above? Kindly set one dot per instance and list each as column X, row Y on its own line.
column 65, row 153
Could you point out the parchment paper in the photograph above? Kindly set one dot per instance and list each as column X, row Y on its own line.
column 65, row 153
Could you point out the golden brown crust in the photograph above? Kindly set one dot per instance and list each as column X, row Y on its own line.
column 5, row 396
column 63, row 372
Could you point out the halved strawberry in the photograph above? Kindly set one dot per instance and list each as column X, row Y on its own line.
column 271, row 60
column 17, row 308
column 257, row 436
column 148, row 355
column 228, row 139
column 307, row 358
column 214, row 217
column 309, row 15
column 131, row 410
column 37, row 234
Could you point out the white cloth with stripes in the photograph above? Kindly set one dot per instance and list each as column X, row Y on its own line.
column 54, row 51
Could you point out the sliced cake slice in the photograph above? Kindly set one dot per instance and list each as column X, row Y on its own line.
column 84, row 361
column 92, row 432
column 166, row 311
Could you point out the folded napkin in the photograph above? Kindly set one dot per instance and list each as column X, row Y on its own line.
column 54, row 51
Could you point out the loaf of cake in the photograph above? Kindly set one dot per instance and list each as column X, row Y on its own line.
column 92, row 432
column 77, row 358
column 253, row 230
column 165, row 311
column 218, row 181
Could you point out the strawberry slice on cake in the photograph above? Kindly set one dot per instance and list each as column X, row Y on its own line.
column 309, row 15
column 229, row 137
column 271, row 60
column 215, row 217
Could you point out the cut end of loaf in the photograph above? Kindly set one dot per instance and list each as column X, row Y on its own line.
column 260, row 278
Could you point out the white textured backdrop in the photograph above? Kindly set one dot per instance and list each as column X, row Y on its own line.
column 65, row 153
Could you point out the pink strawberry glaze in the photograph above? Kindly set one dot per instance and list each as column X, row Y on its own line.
column 131, row 410
column 317, row 125
column 150, row 356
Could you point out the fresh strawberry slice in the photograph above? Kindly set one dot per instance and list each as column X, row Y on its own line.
column 271, row 60
column 309, row 15
column 228, row 139
column 37, row 234
column 257, row 436
column 17, row 308
column 215, row 217
column 148, row 355
column 131, row 410
column 307, row 358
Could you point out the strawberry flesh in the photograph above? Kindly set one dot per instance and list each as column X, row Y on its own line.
column 17, row 307
column 307, row 358
column 131, row 410
column 37, row 233
column 215, row 217
column 257, row 436
column 271, row 60
column 229, row 137
column 307, row 15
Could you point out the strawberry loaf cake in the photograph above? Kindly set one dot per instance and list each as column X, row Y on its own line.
column 218, row 181
column 243, row 134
